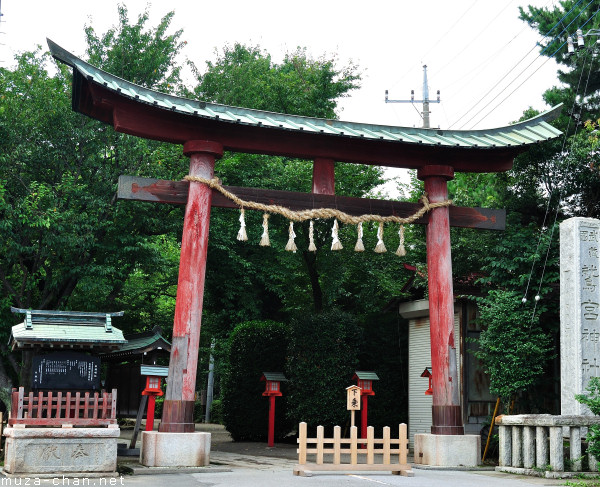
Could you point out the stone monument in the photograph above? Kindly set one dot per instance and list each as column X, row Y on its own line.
column 579, row 310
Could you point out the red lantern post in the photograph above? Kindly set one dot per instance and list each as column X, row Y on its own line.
column 427, row 373
column 154, row 374
column 272, row 390
column 365, row 382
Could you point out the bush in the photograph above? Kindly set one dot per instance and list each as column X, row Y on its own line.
column 512, row 346
column 158, row 406
column 592, row 401
column 385, row 351
column 254, row 347
column 216, row 412
column 321, row 361
column 198, row 411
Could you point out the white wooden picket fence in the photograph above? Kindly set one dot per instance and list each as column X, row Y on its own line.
column 353, row 454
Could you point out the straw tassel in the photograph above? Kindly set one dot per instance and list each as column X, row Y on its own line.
column 242, row 233
column 359, row 247
column 291, row 245
column 264, row 240
column 401, row 252
column 311, row 245
column 335, row 243
column 380, row 247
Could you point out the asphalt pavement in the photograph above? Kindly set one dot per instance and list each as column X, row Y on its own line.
column 251, row 464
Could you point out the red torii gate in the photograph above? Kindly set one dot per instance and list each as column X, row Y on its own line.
column 206, row 129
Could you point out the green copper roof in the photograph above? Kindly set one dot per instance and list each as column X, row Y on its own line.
column 66, row 329
column 524, row 133
column 366, row 375
column 140, row 343
column 276, row 376
column 155, row 370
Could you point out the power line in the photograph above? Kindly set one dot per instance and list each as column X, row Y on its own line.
column 424, row 56
column 562, row 189
column 522, row 71
column 506, row 97
column 474, row 39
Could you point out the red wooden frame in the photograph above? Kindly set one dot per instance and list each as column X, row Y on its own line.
column 58, row 408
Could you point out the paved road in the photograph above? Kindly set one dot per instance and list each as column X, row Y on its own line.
column 238, row 470
column 256, row 465
column 277, row 477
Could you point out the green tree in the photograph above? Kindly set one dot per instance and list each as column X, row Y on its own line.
column 512, row 346
column 592, row 401
column 246, row 76
column 566, row 167
column 65, row 239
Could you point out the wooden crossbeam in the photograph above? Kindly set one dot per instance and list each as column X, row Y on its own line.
column 176, row 192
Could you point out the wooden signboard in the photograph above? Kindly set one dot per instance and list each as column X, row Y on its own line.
column 353, row 402
column 66, row 370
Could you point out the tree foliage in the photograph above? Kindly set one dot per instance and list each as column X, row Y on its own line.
column 512, row 347
column 592, row 400
column 66, row 241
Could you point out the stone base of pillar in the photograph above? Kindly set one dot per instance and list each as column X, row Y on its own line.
column 448, row 450
column 53, row 452
column 175, row 449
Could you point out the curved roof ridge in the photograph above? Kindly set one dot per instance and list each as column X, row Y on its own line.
column 171, row 101
column 142, row 112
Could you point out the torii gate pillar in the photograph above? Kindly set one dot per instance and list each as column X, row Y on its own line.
column 446, row 414
column 178, row 408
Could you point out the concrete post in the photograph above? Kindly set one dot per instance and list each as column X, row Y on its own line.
column 575, row 448
column 517, row 446
column 557, row 462
column 528, row 446
column 541, row 447
column 505, row 446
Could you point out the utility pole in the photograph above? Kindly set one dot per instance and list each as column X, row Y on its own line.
column 211, row 382
column 1, row 14
column 425, row 101
column 579, row 35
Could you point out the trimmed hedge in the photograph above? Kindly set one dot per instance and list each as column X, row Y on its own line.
column 254, row 347
column 322, row 357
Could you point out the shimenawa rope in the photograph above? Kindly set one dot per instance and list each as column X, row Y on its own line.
column 324, row 213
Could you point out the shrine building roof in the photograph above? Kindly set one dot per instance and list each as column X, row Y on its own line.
column 66, row 329
column 140, row 344
column 139, row 111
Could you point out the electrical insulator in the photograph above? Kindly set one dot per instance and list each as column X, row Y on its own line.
column 386, row 95
column 580, row 42
column 412, row 95
column 438, row 95
column 570, row 47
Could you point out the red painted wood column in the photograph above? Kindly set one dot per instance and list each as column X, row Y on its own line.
column 446, row 414
column 363, row 417
column 323, row 176
column 271, row 434
column 150, row 413
column 178, row 407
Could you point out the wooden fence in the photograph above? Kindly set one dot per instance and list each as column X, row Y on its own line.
column 328, row 451
column 57, row 408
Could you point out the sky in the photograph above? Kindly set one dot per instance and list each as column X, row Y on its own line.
column 481, row 57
